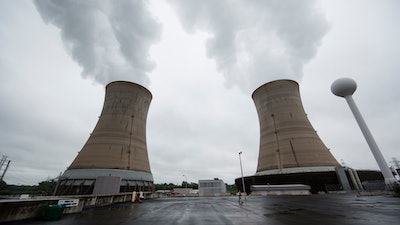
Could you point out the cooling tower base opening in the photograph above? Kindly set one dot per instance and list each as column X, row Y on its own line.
column 83, row 181
column 340, row 179
column 318, row 181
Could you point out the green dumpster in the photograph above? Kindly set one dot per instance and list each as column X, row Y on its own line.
column 53, row 212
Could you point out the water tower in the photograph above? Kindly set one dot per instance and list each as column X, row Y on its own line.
column 345, row 87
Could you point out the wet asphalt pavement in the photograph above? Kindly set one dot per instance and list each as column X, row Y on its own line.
column 299, row 210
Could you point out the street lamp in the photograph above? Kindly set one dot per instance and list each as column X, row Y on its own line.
column 241, row 170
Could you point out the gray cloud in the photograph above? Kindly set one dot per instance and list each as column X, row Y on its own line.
column 110, row 40
column 196, row 126
column 253, row 42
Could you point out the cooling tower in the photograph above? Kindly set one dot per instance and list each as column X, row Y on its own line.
column 288, row 142
column 116, row 150
column 290, row 150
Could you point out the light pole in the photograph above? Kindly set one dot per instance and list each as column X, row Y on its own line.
column 241, row 170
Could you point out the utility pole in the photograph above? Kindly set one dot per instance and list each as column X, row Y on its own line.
column 3, row 161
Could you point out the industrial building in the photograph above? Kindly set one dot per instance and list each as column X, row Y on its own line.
column 114, row 158
column 290, row 150
column 215, row 187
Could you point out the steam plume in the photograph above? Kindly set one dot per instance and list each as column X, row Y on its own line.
column 256, row 41
column 110, row 40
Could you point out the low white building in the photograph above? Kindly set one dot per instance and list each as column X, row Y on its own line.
column 185, row 192
column 215, row 187
column 181, row 191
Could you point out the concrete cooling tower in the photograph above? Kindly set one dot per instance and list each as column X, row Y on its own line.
column 290, row 150
column 114, row 158
column 288, row 142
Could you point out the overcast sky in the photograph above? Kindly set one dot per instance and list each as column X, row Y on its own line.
column 201, row 60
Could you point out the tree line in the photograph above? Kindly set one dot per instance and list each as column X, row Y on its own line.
column 46, row 188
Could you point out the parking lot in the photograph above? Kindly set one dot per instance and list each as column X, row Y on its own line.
column 312, row 209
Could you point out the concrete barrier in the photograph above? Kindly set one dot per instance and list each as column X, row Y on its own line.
column 20, row 209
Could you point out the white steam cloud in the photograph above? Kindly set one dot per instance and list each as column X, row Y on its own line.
column 110, row 40
column 256, row 41
column 252, row 42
